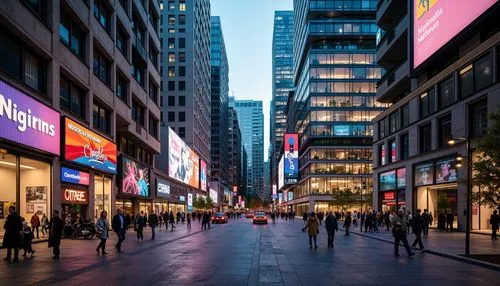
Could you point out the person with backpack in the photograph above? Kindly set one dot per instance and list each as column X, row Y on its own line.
column 139, row 226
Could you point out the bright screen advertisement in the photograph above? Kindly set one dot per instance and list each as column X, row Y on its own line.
column 290, row 196
column 88, row 148
column 162, row 188
column 341, row 130
column 203, row 175
column 291, row 158
column 401, row 178
column 280, row 198
column 74, row 176
column 424, row 174
column 436, row 22
column 26, row 121
column 214, row 196
column 281, row 175
column 190, row 202
column 135, row 177
column 446, row 171
column 387, row 181
column 183, row 163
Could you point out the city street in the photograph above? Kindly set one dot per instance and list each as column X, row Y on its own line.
column 240, row 253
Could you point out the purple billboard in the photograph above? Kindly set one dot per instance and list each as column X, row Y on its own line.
column 27, row 121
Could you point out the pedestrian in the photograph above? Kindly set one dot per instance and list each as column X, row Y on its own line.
column 387, row 220
column 494, row 221
column 119, row 226
column 166, row 220
column 400, row 230
column 376, row 220
column 12, row 236
column 28, row 237
column 431, row 218
column 171, row 220
column 160, row 219
column 273, row 217
column 183, row 217
column 178, row 217
column 68, row 226
column 45, row 224
column 441, row 221
column 425, row 229
column 55, row 231
column 102, row 226
column 331, row 226
column 418, row 224
column 304, row 217
column 205, row 220
column 449, row 221
column 198, row 215
column 153, row 223
column 139, row 226
column 320, row 217
column 312, row 227
column 128, row 220
column 347, row 224
column 355, row 219
column 188, row 218
column 362, row 222
column 35, row 224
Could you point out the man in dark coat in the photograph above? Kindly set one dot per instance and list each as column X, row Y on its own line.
column 12, row 237
column 304, row 217
column 418, row 225
column 450, row 217
column 119, row 225
column 425, row 217
column 494, row 221
column 55, row 230
column 332, row 226
column 153, row 222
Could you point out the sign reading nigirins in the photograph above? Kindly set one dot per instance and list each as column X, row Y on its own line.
column 28, row 122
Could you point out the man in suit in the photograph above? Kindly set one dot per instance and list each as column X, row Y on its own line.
column 55, row 231
column 119, row 226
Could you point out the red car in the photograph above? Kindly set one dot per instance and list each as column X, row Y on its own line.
column 260, row 217
column 220, row 218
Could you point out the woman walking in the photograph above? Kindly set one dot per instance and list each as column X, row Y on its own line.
column 347, row 224
column 188, row 217
column 139, row 227
column 102, row 226
column 312, row 229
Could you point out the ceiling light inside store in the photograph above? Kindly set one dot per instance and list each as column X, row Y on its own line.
column 14, row 164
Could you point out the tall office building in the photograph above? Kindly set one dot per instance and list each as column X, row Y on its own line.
column 219, row 104
column 335, row 75
column 79, row 91
column 442, row 82
column 236, row 154
column 282, row 84
column 251, row 120
column 185, row 34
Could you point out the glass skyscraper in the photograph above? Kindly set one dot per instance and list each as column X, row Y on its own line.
column 335, row 78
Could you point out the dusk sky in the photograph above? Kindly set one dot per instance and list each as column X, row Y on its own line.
column 247, row 26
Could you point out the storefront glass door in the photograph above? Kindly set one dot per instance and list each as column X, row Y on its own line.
column 8, row 175
column 102, row 195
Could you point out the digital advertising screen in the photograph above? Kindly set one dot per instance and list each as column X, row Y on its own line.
column 424, row 174
column 162, row 188
column 401, row 180
column 446, row 171
column 183, row 163
column 135, row 177
column 281, row 174
column 214, row 196
column 387, row 181
column 341, row 130
column 436, row 22
column 291, row 163
column 203, row 175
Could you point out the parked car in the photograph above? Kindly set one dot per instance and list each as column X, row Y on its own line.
column 260, row 217
column 220, row 218
column 249, row 215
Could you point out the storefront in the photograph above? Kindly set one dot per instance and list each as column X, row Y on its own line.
column 162, row 195
column 178, row 204
column 86, row 148
column 74, row 192
column 392, row 194
column 134, row 195
column 436, row 187
column 29, row 142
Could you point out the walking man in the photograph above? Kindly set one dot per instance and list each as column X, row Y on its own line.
column 347, row 224
column 55, row 231
column 400, row 231
column 418, row 224
column 153, row 222
column 425, row 217
column 12, row 237
column 332, row 226
column 494, row 221
column 449, row 221
column 35, row 224
column 119, row 226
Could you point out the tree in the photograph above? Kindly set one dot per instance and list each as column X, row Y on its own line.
column 345, row 199
column 209, row 203
column 199, row 203
column 486, row 174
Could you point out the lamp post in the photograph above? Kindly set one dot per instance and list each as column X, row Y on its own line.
column 451, row 142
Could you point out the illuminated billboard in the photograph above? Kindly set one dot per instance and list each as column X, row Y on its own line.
column 183, row 163
column 291, row 164
column 135, row 177
column 436, row 22
column 203, row 175
column 281, row 175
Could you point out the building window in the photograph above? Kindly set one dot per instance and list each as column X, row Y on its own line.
column 182, row 43
column 102, row 118
column 71, row 35
column 393, row 122
column 425, row 134
column 479, row 118
column 182, row 85
column 182, row 71
column 137, row 113
column 444, row 125
column 382, row 127
column 153, row 126
column 72, row 98
column 405, row 115
column 171, row 85
column 182, row 6
column 466, row 81
column 122, row 40
column 171, row 19
column 182, row 57
column 171, row 100
column 182, row 30
column 124, row 4
column 121, row 87
column 171, row 57
column 171, row 43
column 153, row 91
column 101, row 67
column 171, row 5
column 483, row 72
column 182, row 101
column 446, row 93
column 182, row 116
column 153, row 54
column 38, row 8
column 171, row 31
column 182, row 19
column 427, row 103
column 182, row 132
column 405, row 146
column 171, row 116
column 171, row 71
column 103, row 14
column 382, row 155
column 392, row 151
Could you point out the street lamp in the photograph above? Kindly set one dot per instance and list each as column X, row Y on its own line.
column 452, row 141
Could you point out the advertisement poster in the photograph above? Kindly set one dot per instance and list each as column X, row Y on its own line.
column 291, row 164
column 183, row 163
column 190, row 202
column 280, row 198
column 424, row 174
column 214, row 196
column 162, row 188
column 387, row 181
column 239, row 200
column 88, row 148
column 36, row 200
column 436, row 22
column 382, row 154
column 393, row 151
column 203, row 175
column 290, row 196
column 74, row 176
column 281, row 174
column 446, row 171
column 28, row 122
column 401, row 175
column 135, row 178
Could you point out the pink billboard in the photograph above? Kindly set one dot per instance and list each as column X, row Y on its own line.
column 436, row 22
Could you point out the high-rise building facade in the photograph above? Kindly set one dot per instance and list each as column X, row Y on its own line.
column 236, row 154
column 219, row 104
column 282, row 83
column 79, row 94
column 186, row 68
column 251, row 120
column 442, row 84
column 335, row 77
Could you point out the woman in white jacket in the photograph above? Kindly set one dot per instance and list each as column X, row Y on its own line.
column 102, row 226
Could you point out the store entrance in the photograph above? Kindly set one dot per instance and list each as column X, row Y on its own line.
column 439, row 199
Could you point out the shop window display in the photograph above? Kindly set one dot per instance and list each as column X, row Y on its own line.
column 102, row 195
